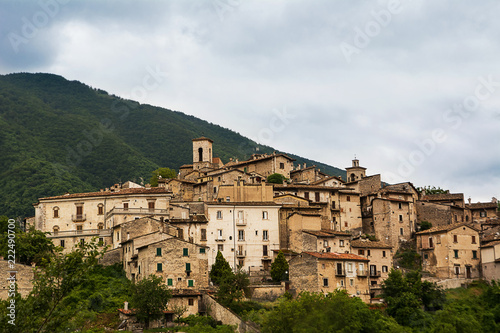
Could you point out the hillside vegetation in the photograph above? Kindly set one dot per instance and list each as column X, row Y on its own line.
column 59, row 136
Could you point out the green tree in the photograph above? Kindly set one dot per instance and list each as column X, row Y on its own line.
column 276, row 178
column 149, row 299
column 31, row 247
column 220, row 269
column 164, row 173
column 279, row 268
column 432, row 190
column 425, row 225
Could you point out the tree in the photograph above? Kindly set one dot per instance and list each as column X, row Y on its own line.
column 279, row 268
column 276, row 178
column 432, row 190
column 31, row 247
column 164, row 173
column 220, row 269
column 149, row 299
column 425, row 225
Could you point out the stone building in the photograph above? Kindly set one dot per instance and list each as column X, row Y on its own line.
column 490, row 261
column 245, row 233
column 381, row 261
column 326, row 272
column 355, row 172
column 78, row 217
column 266, row 164
column 22, row 275
column 306, row 175
column 483, row 211
column 450, row 251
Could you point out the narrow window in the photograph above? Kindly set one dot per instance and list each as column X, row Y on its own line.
column 306, row 195
column 384, row 269
column 264, row 215
column 265, row 235
column 170, row 282
column 125, row 206
column 455, row 239
column 325, row 282
column 383, row 254
column 400, row 218
column 241, row 235
column 203, row 234
column 264, row 250
column 191, row 300
column 56, row 212
column 361, row 252
column 348, row 198
column 158, row 251
column 151, row 205
column 474, row 254
column 100, row 209
column 202, row 250
column 473, row 239
column 400, row 205
column 188, row 267
column 219, row 215
column 351, row 282
column 62, row 242
column 431, row 244
column 341, row 243
column 185, row 252
column 316, row 196
column 401, row 232
column 368, row 253
column 455, row 253
column 220, row 247
column 190, row 283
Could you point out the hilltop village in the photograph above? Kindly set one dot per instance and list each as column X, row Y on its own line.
column 335, row 233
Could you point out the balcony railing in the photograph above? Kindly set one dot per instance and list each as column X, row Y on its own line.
column 241, row 222
column 85, row 232
column 79, row 217
column 362, row 273
column 374, row 273
column 339, row 273
column 241, row 254
column 138, row 211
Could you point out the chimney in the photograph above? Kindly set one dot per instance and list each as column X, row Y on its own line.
column 470, row 200
column 125, row 306
column 304, row 165
column 494, row 200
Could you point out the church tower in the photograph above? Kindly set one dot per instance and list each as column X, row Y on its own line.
column 355, row 172
column 202, row 153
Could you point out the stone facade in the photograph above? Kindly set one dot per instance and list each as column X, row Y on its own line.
column 490, row 261
column 326, row 272
column 23, row 276
column 482, row 211
column 450, row 251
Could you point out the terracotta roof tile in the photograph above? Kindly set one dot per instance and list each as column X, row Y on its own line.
column 153, row 190
column 336, row 256
column 444, row 196
column 327, row 233
column 446, row 228
column 482, row 205
column 370, row 244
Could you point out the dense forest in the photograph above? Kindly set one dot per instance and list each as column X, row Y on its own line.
column 59, row 136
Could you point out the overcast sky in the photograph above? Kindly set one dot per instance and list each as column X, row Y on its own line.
column 412, row 88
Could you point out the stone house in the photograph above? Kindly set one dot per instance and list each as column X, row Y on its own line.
column 306, row 175
column 450, row 251
column 239, row 191
column 332, row 181
column 22, row 275
column 266, row 164
column 326, row 272
column 483, row 211
column 325, row 241
column 439, row 214
column 182, row 265
column 181, row 189
column 245, row 233
column 490, row 261
column 381, row 261
column 73, row 218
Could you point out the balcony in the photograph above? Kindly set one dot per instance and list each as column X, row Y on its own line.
column 241, row 222
column 362, row 273
column 375, row 274
column 220, row 239
column 137, row 211
column 241, row 254
column 79, row 233
column 79, row 217
column 339, row 273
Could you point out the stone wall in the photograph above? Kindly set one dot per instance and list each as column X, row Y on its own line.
column 24, row 278
column 226, row 316
column 267, row 292
column 111, row 257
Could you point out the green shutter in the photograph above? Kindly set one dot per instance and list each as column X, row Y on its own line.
column 169, row 282
column 159, row 267
column 202, row 250
column 158, row 251
column 188, row 267
column 190, row 283
column 185, row 252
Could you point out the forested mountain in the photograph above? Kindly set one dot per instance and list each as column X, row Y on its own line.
column 59, row 136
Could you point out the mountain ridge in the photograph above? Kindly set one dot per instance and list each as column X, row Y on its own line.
column 59, row 136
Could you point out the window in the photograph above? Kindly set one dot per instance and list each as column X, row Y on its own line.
column 159, row 267
column 401, row 232
column 79, row 228
column 158, row 251
column 361, row 252
column 228, row 199
column 368, row 253
column 79, row 211
column 482, row 214
column 383, row 254
column 384, row 269
column 457, row 270
column 190, row 283
column 473, row 239
column 139, row 269
column 219, row 234
column 455, row 239
column 219, row 215
column 431, row 244
column 426, row 256
column 202, row 250
column 151, row 205
column 220, row 247
column 125, row 206
column 400, row 205
column 325, row 282
column 180, row 233
column 100, row 209
column 241, row 235
column 341, row 283
column 346, row 224
column 348, row 198
column 62, row 243
column 361, row 267
column 349, row 267
column 351, row 282
column 341, row 243
column 282, row 165
column 185, row 252
column 325, row 243
column 265, row 235
column 264, row 251
column 316, row 196
column 455, row 252
column 170, row 282
column 191, row 300
column 56, row 212
column 203, row 234
column 265, row 215
column 333, row 204
column 306, row 195
column 101, row 241
column 474, row 254
column 188, row 267
column 215, row 189
column 400, row 218
column 56, row 230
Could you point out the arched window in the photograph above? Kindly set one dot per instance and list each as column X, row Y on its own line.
column 56, row 212
column 100, row 209
column 100, row 226
column 56, row 229
column 200, row 154
column 353, row 177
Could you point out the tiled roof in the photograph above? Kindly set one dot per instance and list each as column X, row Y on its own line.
column 152, row 190
column 482, row 205
column 216, row 160
column 250, row 203
column 185, row 166
column 446, row 228
column 444, row 196
column 250, row 161
column 327, row 233
column 369, row 244
column 298, row 170
column 336, row 256
column 322, row 180
column 202, row 139
column 315, row 187
column 490, row 244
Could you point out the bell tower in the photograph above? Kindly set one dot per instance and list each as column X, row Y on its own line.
column 202, row 153
column 355, row 172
